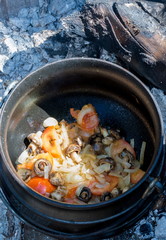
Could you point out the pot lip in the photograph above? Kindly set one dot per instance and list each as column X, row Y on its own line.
column 79, row 60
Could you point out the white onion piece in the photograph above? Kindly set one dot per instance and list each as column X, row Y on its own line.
column 104, row 132
column 50, row 121
column 86, row 109
column 65, row 137
column 23, row 156
column 103, row 168
column 132, row 143
column 142, row 152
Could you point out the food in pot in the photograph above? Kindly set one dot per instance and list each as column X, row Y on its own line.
column 79, row 162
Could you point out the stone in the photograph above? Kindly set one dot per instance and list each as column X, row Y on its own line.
column 60, row 8
column 23, row 13
column 21, row 23
column 10, row 44
column 160, row 229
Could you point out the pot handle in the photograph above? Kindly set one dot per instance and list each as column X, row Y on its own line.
column 154, row 184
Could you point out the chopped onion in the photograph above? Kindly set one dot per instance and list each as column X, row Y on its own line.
column 142, row 152
column 23, row 156
column 115, row 174
column 103, row 168
column 50, row 121
column 101, row 185
column 108, row 151
column 65, row 137
column 132, row 142
column 104, row 132
column 101, row 156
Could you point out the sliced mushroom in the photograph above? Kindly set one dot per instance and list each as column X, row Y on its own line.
column 36, row 138
column 108, row 160
column 33, row 149
column 73, row 151
column 107, row 140
column 96, row 142
column 84, row 194
column 128, row 158
column 24, row 174
column 115, row 134
column 40, row 166
column 106, row 196
column 115, row 192
column 57, row 179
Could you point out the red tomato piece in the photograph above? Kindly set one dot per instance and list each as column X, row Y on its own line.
column 41, row 185
column 50, row 143
column 136, row 176
column 74, row 113
column 90, row 121
column 119, row 145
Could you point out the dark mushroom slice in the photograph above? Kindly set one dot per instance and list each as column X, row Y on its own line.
column 84, row 194
column 106, row 196
column 115, row 134
column 24, row 174
column 40, row 165
column 96, row 142
column 108, row 160
column 128, row 157
column 56, row 179
column 115, row 192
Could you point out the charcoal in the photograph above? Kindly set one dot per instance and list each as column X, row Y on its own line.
column 121, row 29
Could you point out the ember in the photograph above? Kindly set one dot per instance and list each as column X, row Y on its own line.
column 48, row 32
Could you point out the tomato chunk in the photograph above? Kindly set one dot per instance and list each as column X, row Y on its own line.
column 50, row 142
column 111, row 183
column 136, row 176
column 119, row 145
column 41, row 185
column 90, row 121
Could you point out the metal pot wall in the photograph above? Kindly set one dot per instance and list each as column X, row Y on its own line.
column 122, row 101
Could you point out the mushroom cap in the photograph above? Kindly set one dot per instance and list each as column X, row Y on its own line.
column 40, row 165
column 73, row 148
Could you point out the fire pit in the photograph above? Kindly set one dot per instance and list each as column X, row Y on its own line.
column 51, row 42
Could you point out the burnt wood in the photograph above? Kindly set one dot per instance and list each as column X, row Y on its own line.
column 138, row 39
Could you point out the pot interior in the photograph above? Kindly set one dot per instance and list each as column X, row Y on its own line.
column 121, row 101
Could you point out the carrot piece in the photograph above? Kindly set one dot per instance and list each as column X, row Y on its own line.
column 136, row 176
column 50, row 142
column 41, row 185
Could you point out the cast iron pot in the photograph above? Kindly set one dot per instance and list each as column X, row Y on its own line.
column 122, row 102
